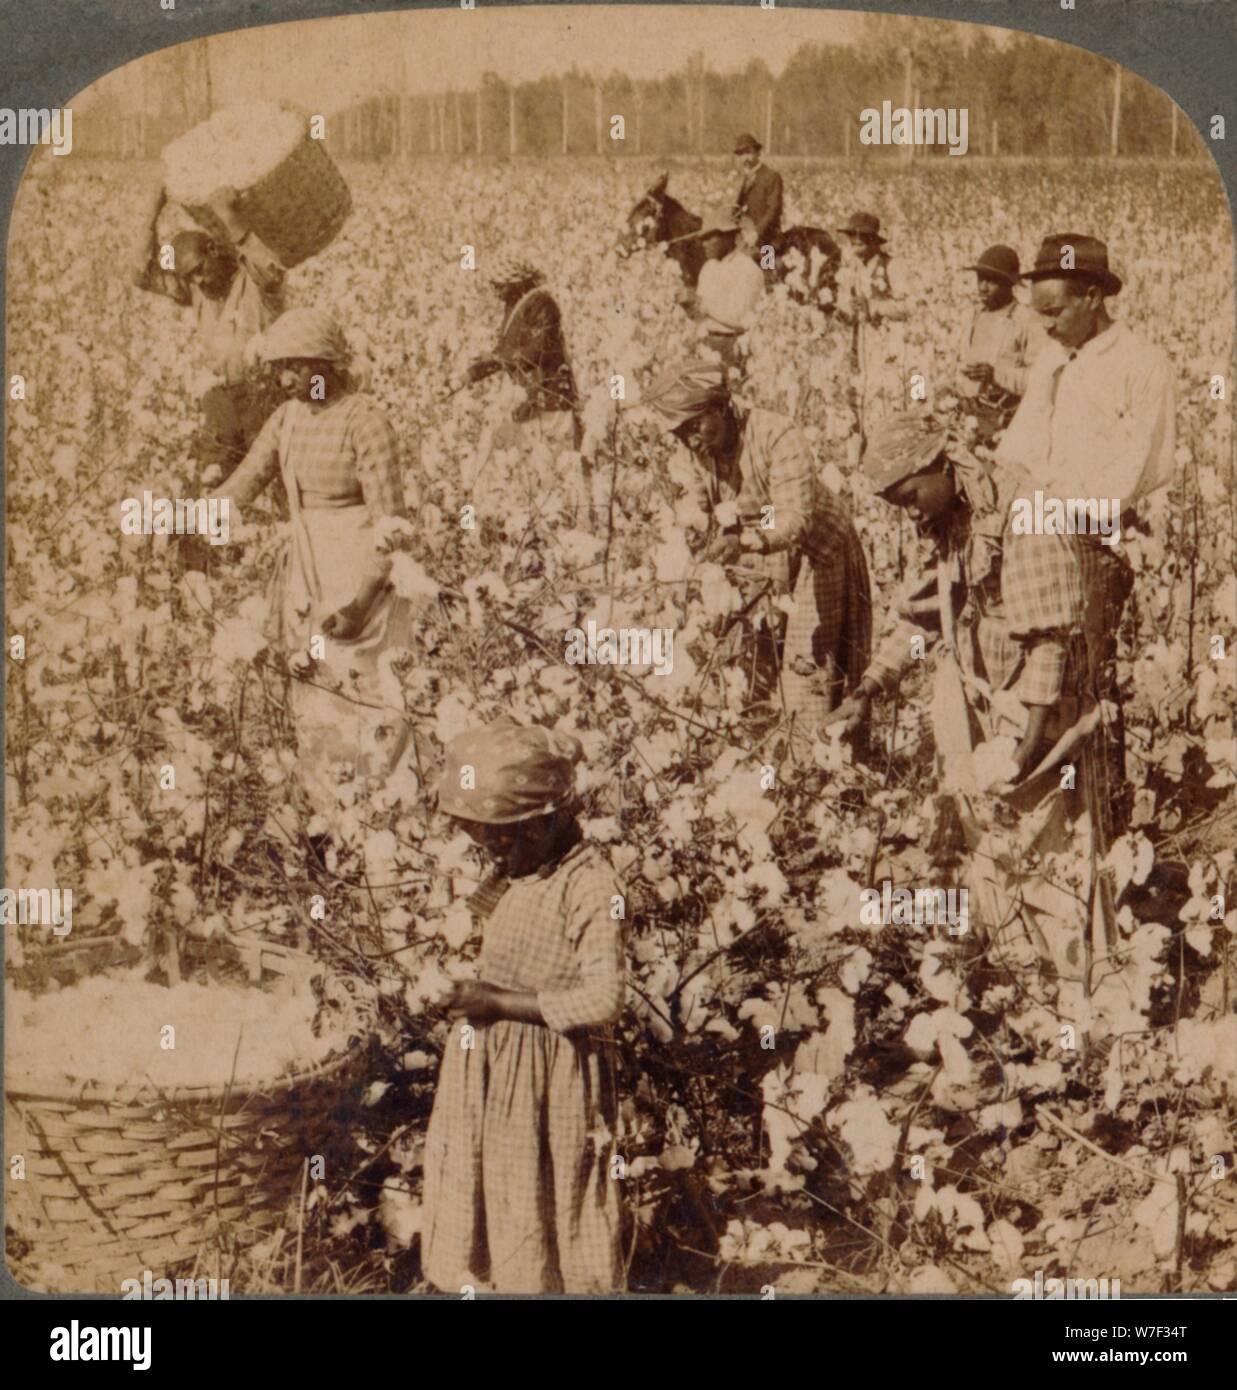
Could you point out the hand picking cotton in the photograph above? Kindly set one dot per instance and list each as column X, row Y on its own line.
column 236, row 148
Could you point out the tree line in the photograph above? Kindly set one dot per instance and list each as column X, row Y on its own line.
column 1025, row 97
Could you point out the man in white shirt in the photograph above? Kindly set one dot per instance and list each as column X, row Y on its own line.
column 1098, row 415
column 730, row 286
column 1097, row 419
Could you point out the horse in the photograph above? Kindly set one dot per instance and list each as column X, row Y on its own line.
column 660, row 220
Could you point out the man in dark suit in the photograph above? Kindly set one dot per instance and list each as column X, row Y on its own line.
column 760, row 194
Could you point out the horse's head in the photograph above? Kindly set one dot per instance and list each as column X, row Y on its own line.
column 645, row 222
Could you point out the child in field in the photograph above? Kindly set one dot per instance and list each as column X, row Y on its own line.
column 520, row 1195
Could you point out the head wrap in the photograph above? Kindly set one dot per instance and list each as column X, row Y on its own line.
column 908, row 441
column 507, row 270
column 901, row 445
column 687, row 392
column 311, row 333
column 517, row 772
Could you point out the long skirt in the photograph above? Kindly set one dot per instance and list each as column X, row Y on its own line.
column 520, row 1195
column 349, row 725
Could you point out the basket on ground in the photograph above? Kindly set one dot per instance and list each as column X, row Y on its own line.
column 123, row 1179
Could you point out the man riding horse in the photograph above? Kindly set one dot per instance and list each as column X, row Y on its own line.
column 760, row 193
column 804, row 258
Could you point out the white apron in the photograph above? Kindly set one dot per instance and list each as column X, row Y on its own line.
column 345, row 729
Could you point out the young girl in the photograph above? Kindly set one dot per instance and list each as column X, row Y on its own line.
column 520, row 1191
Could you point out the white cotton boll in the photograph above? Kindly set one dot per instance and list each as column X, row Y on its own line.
column 235, row 148
column 993, row 763
column 399, row 1214
column 456, row 927
column 108, row 1029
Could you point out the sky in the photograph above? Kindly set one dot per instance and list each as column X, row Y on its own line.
column 326, row 64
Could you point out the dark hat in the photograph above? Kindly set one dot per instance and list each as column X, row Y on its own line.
column 745, row 143
column 901, row 445
column 1001, row 262
column 864, row 224
column 189, row 250
column 1088, row 257
column 687, row 392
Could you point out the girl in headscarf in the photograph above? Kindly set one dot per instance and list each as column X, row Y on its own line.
column 522, row 1192
column 783, row 522
column 334, row 612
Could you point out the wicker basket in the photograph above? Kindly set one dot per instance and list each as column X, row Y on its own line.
column 122, row 1179
column 297, row 209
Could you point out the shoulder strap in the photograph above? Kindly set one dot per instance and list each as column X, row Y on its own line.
column 291, row 485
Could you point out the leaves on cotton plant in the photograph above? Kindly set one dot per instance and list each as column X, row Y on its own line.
column 1007, row 1244
column 1158, row 1213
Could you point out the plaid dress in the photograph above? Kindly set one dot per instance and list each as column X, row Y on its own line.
column 340, row 468
column 520, row 1193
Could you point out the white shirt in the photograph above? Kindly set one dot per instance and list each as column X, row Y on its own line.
column 1100, row 422
column 729, row 292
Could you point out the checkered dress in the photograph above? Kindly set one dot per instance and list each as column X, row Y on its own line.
column 519, row 1192
column 346, row 454
column 340, row 466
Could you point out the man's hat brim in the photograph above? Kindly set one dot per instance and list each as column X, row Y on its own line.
column 1107, row 281
column 1007, row 276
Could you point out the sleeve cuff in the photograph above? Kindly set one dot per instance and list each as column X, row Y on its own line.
column 1043, row 676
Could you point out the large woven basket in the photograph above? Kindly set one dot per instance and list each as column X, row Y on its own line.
column 297, row 209
column 123, row 1179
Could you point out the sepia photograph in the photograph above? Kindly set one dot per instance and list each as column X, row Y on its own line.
column 620, row 666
